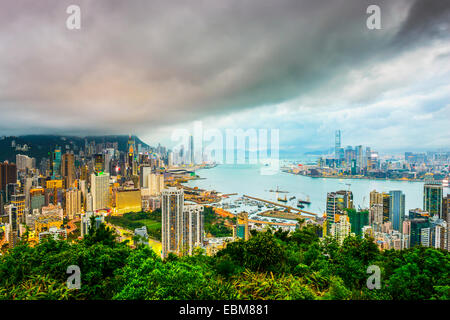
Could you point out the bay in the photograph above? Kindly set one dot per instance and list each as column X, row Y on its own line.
column 247, row 179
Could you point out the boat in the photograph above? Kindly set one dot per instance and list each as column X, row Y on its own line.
column 282, row 200
column 291, row 198
column 299, row 205
column 300, row 201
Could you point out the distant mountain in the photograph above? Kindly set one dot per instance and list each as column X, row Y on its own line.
column 39, row 146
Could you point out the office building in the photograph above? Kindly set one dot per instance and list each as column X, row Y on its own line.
column 337, row 202
column 68, row 170
column 8, row 174
column 397, row 209
column 432, row 198
column 100, row 190
column 73, row 203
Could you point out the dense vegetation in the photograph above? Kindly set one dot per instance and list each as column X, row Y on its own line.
column 215, row 225
column 271, row 265
column 133, row 220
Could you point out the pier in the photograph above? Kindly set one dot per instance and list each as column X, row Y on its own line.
column 283, row 206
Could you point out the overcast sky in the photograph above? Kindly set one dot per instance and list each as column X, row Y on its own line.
column 305, row 67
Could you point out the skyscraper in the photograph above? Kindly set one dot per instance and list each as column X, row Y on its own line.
column 8, row 174
column 100, row 190
column 192, row 228
column 172, row 216
column 182, row 225
column 73, row 203
column 397, row 209
column 13, row 225
column 432, row 198
column 337, row 144
column 68, row 169
column 56, row 163
column 337, row 202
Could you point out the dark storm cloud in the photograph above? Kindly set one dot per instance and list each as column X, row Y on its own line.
column 426, row 18
column 136, row 65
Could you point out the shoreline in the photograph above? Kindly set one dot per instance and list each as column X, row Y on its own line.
column 354, row 177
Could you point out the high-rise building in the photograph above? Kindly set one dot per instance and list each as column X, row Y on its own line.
column 8, row 174
column 13, row 225
column 68, row 169
column 191, row 150
column 172, row 200
column 100, row 190
column 397, row 209
column 143, row 176
column 56, row 164
column 337, row 144
column 155, row 184
column 341, row 228
column 376, row 210
column 192, row 228
column 182, row 225
column 242, row 230
column 98, row 162
column 358, row 220
column 432, row 198
column 18, row 201
column 24, row 162
column 417, row 225
column 386, row 206
column 73, row 203
column 337, row 202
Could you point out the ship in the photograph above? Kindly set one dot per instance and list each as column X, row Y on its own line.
column 299, row 205
column 282, row 200
column 292, row 198
column 300, row 201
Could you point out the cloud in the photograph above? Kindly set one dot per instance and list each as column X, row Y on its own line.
column 144, row 66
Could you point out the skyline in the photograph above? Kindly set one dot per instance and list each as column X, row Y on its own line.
column 149, row 68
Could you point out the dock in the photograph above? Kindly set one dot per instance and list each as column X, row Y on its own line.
column 283, row 206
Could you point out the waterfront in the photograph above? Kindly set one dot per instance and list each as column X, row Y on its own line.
column 246, row 179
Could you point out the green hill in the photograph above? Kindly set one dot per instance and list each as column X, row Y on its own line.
column 39, row 146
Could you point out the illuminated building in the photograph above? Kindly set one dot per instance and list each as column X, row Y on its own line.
column 18, row 201
column 127, row 201
column 100, row 190
column 98, row 163
column 172, row 220
column 68, row 169
column 13, row 225
column 73, row 203
column 172, row 210
column 192, row 228
column 54, row 184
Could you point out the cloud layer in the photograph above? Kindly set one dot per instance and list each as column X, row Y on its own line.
column 304, row 66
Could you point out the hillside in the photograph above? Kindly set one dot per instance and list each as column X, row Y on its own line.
column 39, row 146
